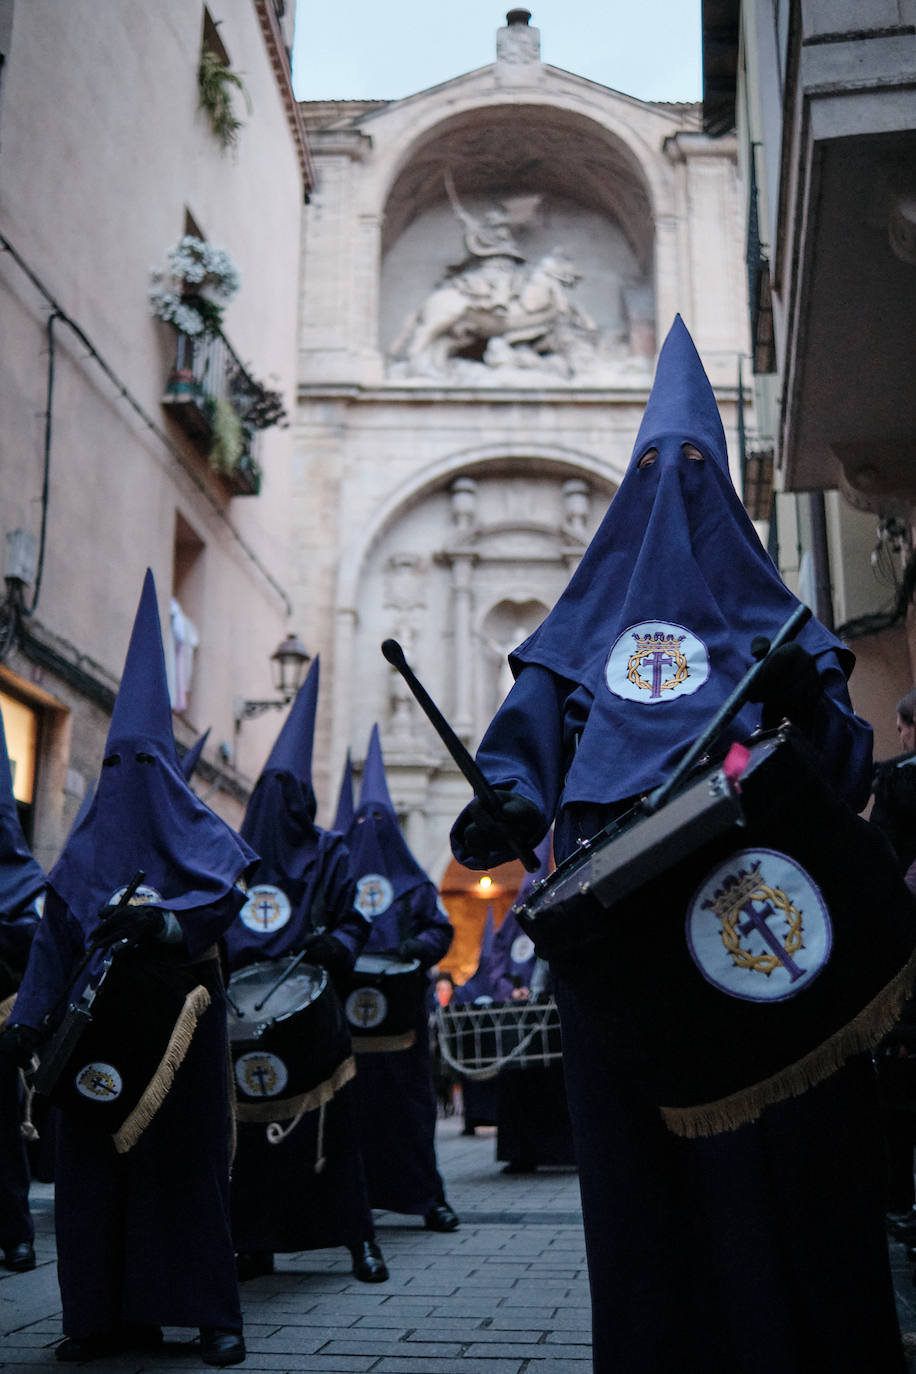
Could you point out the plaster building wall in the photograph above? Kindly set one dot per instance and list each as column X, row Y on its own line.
column 104, row 156
column 453, row 459
column 822, row 101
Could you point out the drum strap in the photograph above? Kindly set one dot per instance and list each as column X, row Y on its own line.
column 296, row 1107
column 383, row 1044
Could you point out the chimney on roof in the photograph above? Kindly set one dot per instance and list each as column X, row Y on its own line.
column 518, row 44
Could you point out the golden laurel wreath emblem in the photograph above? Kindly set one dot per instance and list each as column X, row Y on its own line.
column 259, row 1077
column 653, row 644
column 729, row 903
column 96, row 1082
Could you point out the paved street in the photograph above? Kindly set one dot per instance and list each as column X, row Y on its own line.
column 505, row 1294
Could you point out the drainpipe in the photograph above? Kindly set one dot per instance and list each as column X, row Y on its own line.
column 823, row 608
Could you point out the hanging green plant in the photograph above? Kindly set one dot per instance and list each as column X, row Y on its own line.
column 215, row 84
column 229, row 438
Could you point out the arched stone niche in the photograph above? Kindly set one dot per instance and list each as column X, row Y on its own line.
column 547, row 184
column 459, row 575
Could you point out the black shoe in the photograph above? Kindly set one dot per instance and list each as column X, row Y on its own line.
column 441, row 1218
column 125, row 1336
column 902, row 1225
column 19, row 1258
column 221, row 1347
column 75, row 1349
column 368, row 1264
column 251, row 1264
column 519, row 1166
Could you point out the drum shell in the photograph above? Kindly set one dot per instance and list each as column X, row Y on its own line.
column 143, row 1005
column 651, row 1011
column 282, row 1065
column 383, row 999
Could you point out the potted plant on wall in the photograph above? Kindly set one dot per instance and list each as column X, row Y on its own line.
column 216, row 82
column 192, row 293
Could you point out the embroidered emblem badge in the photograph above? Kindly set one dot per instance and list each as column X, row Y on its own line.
column 99, row 1082
column 266, row 910
column 758, row 927
column 260, row 1074
column 521, row 949
column 656, row 661
column 366, row 1008
column 374, row 894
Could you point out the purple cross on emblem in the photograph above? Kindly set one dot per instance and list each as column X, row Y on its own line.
column 757, row 920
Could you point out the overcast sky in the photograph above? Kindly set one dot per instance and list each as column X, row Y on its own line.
column 373, row 49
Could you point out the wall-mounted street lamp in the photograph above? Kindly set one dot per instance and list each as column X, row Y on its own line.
column 288, row 663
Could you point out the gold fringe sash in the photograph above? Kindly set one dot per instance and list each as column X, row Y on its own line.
column 156, row 1091
column 287, row 1107
column 6, row 1006
column 865, row 1031
column 383, row 1044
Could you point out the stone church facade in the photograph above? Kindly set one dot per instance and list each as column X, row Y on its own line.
column 488, row 268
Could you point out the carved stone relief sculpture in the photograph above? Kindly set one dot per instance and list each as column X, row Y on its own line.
column 498, row 318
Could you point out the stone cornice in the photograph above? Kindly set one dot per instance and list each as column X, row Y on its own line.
column 276, row 49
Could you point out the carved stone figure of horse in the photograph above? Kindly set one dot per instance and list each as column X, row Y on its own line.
column 463, row 311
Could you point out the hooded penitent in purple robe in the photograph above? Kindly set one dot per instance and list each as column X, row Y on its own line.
column 648, row 640
column 395, row 1088
column 143, row 1236
column 303, row 887
column 344, row 815
column 22, row 883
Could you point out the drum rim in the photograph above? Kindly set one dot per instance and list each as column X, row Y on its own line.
column 254, row 1029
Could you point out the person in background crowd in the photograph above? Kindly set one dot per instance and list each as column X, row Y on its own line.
column 301, row 1188
column 478, row 1095
column 533, row 1125
column 22, row 886
column 650, row 638
column 397, row 1102
column 894, row 813
column 142, row 1216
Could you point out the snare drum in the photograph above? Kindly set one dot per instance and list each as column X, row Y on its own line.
column 382, row 1000
column 288, row 1040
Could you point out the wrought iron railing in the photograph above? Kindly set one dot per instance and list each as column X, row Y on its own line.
column 207, row 375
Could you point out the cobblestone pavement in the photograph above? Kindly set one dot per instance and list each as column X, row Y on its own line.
column 505, row 1294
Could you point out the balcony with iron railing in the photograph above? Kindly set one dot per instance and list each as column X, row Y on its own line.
column 221, row 407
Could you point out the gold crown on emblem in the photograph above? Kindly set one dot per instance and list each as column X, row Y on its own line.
column 650, row 643
column 737, row 889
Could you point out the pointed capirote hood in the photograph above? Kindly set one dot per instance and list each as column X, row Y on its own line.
column 292, row 752
column 374, row 784
column 481, row 983
column 191, row 757
column 143, row 815
column 343, row 817
column 657, row 621
column 279, row 820
column 22, row 878
column 374, row 838
column 682, row 403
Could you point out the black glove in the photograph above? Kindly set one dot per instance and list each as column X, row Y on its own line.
column 789, row 686
column 18, row 1044
column 329, row 953
column 477, row 832
column 411, row 949
column 136, row 924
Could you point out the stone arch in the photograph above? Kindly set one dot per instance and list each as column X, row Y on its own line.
column 582, row 206
column 415, row 574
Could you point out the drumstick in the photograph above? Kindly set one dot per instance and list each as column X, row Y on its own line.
column 482, row 789
column 282, row 979
column 731, row 706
